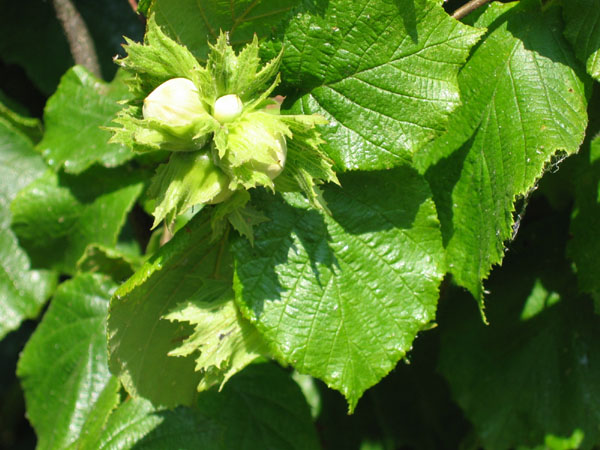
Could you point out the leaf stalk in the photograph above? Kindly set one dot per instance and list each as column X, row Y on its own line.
column 468, row 8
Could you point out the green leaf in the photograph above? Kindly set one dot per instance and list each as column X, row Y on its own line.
column 96, row 419
column 226, row 341
column 20, row 164
column 143, row 6
column 112, row 262
column 382, row 72
column 583, row 31
column 29, row 126
column 342, row 297
column 140, row 339
column 553, row 442
column 22, row 291
column 260, row 408
column 526, row 376
column 74, row 115
column 200, row 22
column 63, row 368
column 57, row 216
column 137, row 424
column 524, row 101
column 585, row 223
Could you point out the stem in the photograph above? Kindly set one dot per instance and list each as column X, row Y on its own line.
column 468, row 8
column 78, row 36
column 133, row 4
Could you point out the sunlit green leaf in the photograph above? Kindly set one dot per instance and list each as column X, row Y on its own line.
column 342, row 297
column 524, row 100
column 73, row 117
column 382, row 72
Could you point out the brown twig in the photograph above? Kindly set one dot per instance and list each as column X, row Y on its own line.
column 468, row 8
column 78, row 36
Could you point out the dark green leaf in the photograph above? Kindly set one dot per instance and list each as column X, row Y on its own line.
column 137, row 424
column 260, row 408
column 584, row 248
column 583, row 31
column 143, row 6
column 533, row 372
column 97, row 417
column 342, row 297
column 22, row 291
column 29, row 126
column 199, row 22
column 31, row 36
column 19, row 162
column 99, row 259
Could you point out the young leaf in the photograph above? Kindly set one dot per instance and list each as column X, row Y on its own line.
column 140, row 339
column 342, row 297
column 226, row 341
column 63, row 368
column 524, row 100
column 382, row 72
column 74, row 117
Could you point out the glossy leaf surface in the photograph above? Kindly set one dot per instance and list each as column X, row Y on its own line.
column 341, row 297
column 382, row 72
column 524, row 100
column 74, row 115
